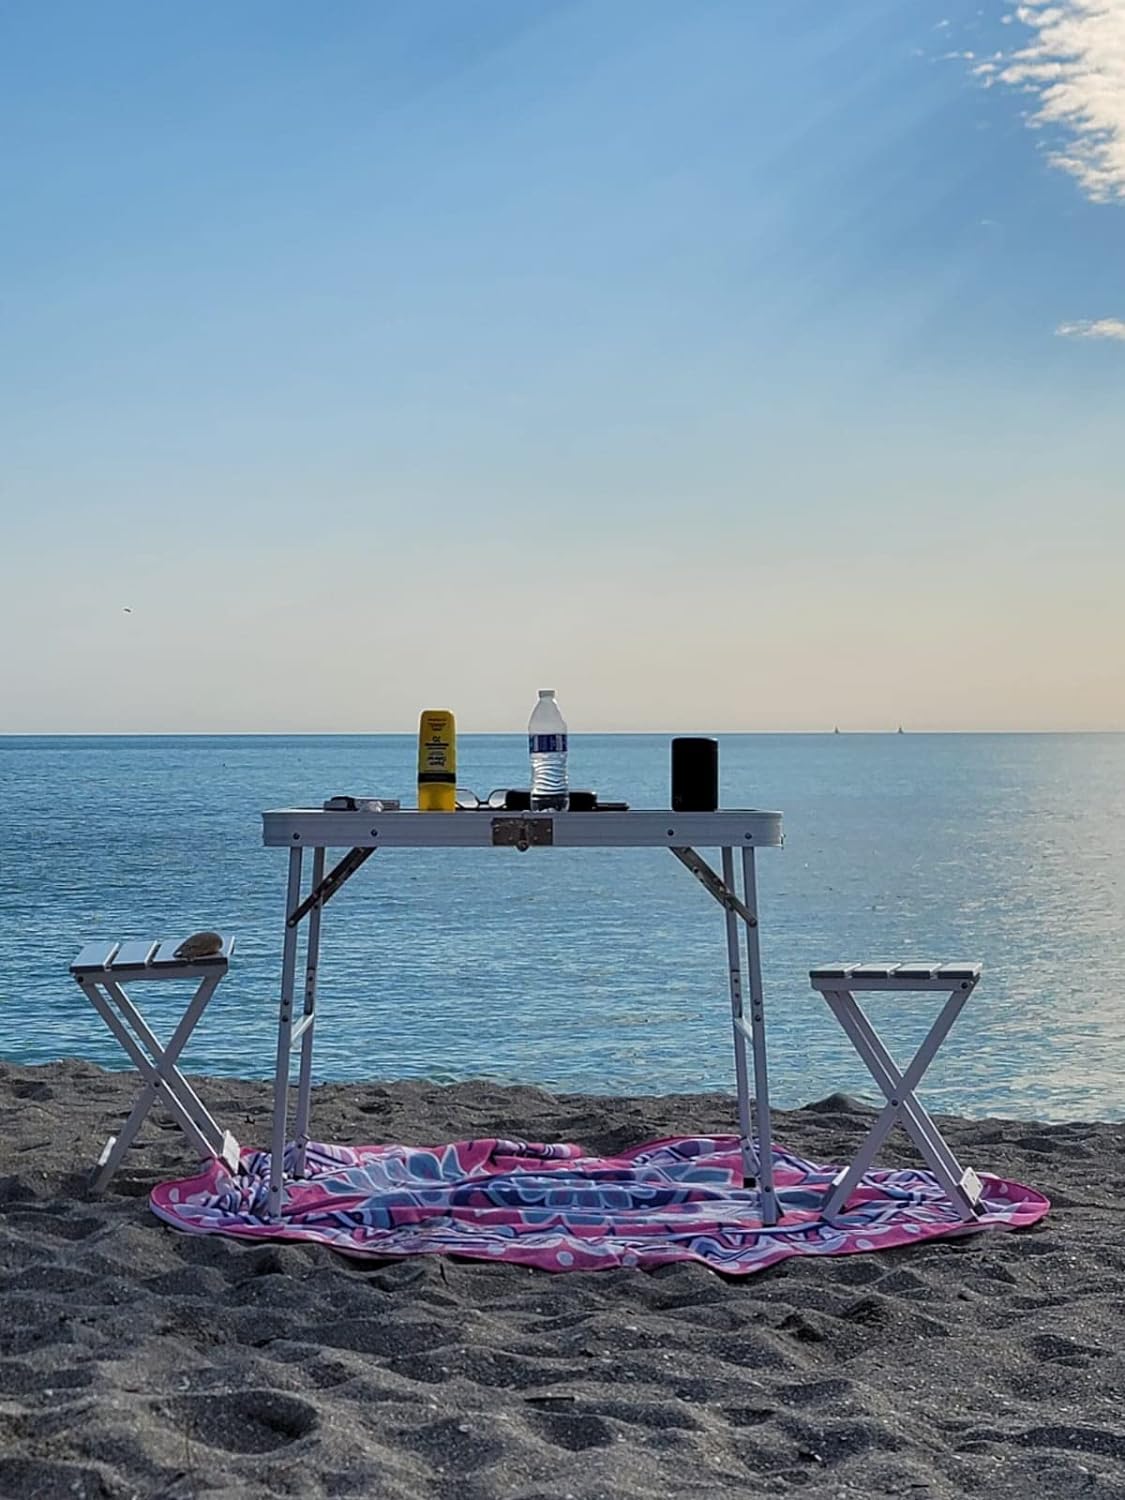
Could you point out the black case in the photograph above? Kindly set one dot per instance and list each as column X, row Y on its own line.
column 695, row 774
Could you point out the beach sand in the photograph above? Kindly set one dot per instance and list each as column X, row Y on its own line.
column 135, row 1361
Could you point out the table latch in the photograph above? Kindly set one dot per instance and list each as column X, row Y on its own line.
column 522, row 833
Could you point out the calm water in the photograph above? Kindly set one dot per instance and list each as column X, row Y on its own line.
column 598, row 971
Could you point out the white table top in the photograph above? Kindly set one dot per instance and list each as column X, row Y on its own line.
column 484, row 828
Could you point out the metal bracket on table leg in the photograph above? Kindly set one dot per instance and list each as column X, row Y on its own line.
column 713, row 882
column 304, row 1028
column 284, row 1039
column 761, row 1105
column 757, row 1168
column 325, row 889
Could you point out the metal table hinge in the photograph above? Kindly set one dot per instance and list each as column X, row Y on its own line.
column 522, row 833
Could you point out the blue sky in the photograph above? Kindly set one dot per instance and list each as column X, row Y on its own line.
column 703, row 361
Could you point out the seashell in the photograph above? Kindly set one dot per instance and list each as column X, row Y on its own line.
column 200, row 945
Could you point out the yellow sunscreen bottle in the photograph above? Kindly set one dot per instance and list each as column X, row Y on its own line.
column 437, row 761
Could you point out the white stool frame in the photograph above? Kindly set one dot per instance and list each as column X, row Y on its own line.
column 100, row 970
column 362, row 833
column 837, row 983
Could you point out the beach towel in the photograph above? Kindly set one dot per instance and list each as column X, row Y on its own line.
column 560, row 1209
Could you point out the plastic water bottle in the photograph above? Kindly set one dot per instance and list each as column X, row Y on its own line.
column 546, row 743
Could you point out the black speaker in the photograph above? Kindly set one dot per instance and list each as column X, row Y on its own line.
column 695, row 775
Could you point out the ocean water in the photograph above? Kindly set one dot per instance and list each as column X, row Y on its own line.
column 598, row 971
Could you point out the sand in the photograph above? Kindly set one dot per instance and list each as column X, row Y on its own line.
column 135, row 1361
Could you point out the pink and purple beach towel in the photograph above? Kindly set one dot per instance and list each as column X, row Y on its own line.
column 555, row 1207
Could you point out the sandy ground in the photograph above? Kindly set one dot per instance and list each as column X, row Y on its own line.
column 138, row 1362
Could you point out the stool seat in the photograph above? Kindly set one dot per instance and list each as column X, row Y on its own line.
column 100, row 971
column 914, row 975
column 839, row 983
column 135, row 956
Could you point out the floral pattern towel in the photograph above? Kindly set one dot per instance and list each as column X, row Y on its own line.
column 555, row 1207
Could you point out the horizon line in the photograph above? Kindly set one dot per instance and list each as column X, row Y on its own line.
column 137, row 734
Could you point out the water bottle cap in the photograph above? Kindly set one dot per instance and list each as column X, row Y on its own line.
column 546, row 692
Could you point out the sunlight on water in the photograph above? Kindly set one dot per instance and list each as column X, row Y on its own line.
column 600, row 971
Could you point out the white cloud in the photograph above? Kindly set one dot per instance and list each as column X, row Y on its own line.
column 1075, row 67
column 1095, row 328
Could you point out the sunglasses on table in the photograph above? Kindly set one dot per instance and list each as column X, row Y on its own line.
column 467, row 801
column 506, row 799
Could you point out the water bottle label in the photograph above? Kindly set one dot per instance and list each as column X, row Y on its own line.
column 546, row 744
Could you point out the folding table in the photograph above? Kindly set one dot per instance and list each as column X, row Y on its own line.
column 362, row 833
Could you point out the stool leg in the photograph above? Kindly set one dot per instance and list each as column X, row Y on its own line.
column 898, row 1087
column 170, row 1078
column 158, row 1071
column 758, row 1039
column 962, row 1187
column 209, row 1130
column 284, row 1039
column 304, row 1083
column 750, row 1166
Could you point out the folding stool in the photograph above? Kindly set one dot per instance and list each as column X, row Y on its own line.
column 101, row 970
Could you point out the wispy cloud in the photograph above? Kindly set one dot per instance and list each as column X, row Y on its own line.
column 1075, row 67
column 1093, row 328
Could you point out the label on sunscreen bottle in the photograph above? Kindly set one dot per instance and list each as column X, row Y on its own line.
column 437, row 761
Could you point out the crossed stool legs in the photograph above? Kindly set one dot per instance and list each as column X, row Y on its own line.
column 838, row 984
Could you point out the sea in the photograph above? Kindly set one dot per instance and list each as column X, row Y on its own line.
column 599, row 971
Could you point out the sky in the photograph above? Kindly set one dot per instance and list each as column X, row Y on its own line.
column 723, row 365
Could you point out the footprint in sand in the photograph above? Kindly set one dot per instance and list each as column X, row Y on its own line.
column 244, row 1421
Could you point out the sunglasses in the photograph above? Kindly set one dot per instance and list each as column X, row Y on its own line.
column 467, row 801
column 519, row 800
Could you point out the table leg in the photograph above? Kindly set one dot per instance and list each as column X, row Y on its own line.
column 284, row 1040
column 308, row 1020
column 758, row 1042
column 741, row 1072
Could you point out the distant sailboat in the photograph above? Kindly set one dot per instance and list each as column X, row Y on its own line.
column 900, row 729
